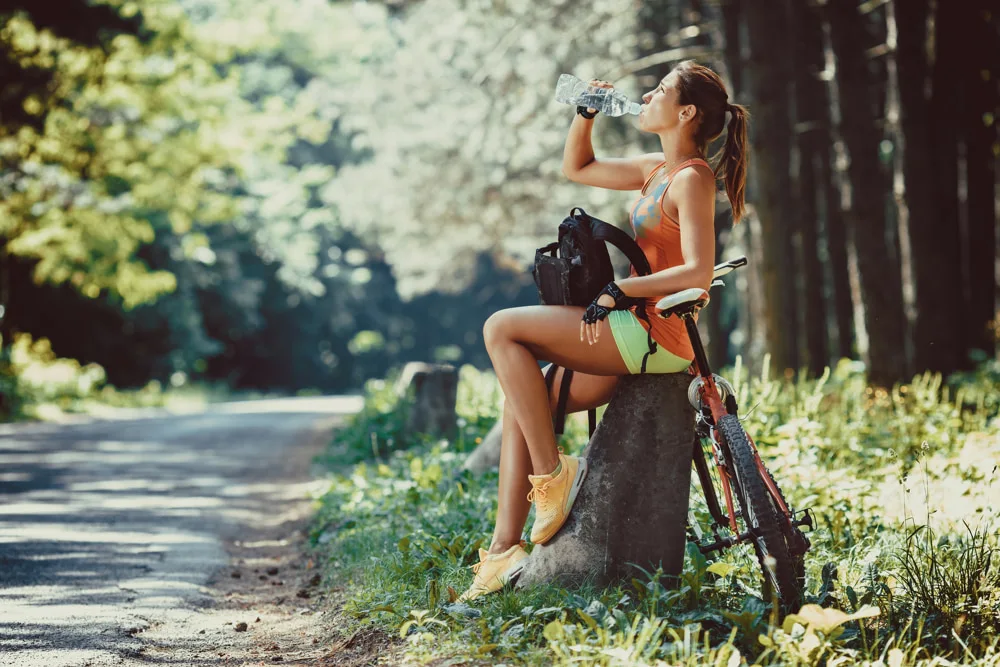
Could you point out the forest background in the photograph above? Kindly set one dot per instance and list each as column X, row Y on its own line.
column 289, row 196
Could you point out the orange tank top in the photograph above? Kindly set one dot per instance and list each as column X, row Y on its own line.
column 659, row 236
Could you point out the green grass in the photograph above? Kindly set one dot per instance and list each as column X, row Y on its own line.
column 400, row 528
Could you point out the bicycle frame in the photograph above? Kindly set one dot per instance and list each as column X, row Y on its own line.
column 710, row 397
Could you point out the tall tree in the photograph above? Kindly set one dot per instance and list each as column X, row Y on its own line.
column 812, row 132
column 879, row 276
column 768, row 84
column 934, row 239
column 979, row 72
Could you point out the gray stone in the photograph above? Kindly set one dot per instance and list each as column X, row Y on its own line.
column 486, row 455
column 429, row 392
column 634, row 501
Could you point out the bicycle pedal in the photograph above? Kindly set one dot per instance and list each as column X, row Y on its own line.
column 806, row 520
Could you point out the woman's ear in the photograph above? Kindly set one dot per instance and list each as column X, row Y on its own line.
column 688, row 112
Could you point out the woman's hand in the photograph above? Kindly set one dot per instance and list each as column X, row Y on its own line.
column 610, row 298
column 598, row 83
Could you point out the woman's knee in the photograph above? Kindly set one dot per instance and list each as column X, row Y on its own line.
column 496, row 327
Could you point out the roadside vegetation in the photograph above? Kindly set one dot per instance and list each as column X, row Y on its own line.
column 904, row 568
column 35, row 384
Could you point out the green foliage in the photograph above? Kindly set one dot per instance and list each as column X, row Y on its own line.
column 402, row 531
column 952, row 582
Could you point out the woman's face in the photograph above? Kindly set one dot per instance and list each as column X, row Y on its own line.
column 660, row 111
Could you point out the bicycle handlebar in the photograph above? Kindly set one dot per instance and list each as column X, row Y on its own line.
column 726, row 267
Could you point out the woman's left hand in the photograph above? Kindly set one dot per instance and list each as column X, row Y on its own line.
column 610, row 298
column 593, row 331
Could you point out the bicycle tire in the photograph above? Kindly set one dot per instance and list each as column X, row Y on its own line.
column 798, row 560
column 760, row 516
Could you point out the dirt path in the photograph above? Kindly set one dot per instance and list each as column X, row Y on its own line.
column 152, row 540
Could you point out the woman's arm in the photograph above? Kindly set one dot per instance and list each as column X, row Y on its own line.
column 581, row 166
column 693, row 192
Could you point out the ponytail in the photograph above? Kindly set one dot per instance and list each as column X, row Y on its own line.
column 733, row 158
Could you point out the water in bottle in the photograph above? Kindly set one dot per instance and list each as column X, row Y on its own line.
column 610, row 102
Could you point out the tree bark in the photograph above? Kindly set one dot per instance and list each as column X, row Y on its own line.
column 812, row 121
column 835, row 234
column 634, row 501
column 934, row 241
column 979, row 120
column 770, row 97
column 879, row 276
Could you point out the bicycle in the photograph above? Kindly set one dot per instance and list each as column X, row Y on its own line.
column 763, row 517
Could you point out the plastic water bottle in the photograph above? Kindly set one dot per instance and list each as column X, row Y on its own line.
column 610, row 102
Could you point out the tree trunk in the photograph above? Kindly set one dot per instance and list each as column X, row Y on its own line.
column 938, row 344
column 979, row 120
column 812, row 124
column 880, row 282
column 634, row 501
column 835, row 233
column 770, row 98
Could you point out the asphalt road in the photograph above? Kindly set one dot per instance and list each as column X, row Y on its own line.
column 110, row 527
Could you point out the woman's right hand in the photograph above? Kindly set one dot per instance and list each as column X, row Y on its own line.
column 598, row 83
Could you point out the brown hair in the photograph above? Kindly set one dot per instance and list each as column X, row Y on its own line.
column 700, row 86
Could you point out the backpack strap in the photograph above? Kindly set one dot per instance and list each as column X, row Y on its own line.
column 559, row 418
column 602, row 231
column 619, row 239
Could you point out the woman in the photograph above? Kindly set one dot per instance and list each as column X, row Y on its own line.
column 673, row 220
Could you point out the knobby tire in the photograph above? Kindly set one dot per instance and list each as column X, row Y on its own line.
column 758, row 507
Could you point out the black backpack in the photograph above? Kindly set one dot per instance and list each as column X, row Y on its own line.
column 577, row 275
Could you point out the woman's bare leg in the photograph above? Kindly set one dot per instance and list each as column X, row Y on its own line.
column 586, row 392
column 516, row 339
column 512, row 501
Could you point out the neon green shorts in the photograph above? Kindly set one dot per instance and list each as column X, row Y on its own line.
column 633, row 344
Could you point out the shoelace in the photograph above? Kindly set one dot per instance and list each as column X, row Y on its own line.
column 539, row 492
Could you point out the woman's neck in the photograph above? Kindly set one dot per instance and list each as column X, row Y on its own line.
column 676, row 148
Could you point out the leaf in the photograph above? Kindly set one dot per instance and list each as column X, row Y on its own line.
column 587, row 618
column 405, row 627
column 554, row 631
column 826, row 620
column 462, row 609
column 547, row 610
column 721, row 569
column 452, row 595
column 404, row 545
column 486, row 648
column 852, row 596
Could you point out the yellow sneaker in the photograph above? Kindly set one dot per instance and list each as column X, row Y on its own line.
column 493, row 571
column 554, row 497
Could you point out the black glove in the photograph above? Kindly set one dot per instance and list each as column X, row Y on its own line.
column 622, row 302
column 582, row 110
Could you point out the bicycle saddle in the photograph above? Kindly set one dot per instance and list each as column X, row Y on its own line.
column 683, row 302
column 694, row 299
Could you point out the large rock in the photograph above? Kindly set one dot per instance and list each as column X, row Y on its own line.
column 634, row 501
column 429, row 392
column 486, row 455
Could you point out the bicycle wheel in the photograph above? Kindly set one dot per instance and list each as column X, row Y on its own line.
column 761, row 517
column 798, row 544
